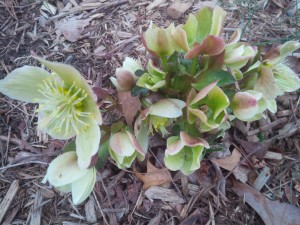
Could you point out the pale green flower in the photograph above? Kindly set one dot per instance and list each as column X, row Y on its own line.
column 124, row 148
column 160, row 115
column 153, row 79
column 210, row 22
column 125, row 75
column 184, row 153
column 66, row 104
column 208, row 106
column 185, row 35
column 238, row 54
column 158, row 41
column 65, row 175
column 274, row 77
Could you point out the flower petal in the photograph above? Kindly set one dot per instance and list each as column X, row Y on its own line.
column 192, row 141
column 180, row 37
column 64, row 170
column 266, row 84
column 203, row 92
column 141, row 133
column 286, row 79
column 82, row 188
column 23, row 84
column 212, row 45
column 205, row 124
column 121, row 144
column 218, row 20
column 236, row 36
column 204, row 17
column 272, row 106
column 278, row 54
column 131, row 64
column 197, row 156
column 167, row 108
column 244, row 105
column 87, row 144
column 217, row 101
column 135, row 143
column 174, row 145
column 125, row 79
column 174, row 162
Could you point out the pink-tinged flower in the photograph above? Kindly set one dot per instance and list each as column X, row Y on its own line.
column 159, row 41
column 124, row 148
column 250, row 105
column 184, row 153
column 125, row 75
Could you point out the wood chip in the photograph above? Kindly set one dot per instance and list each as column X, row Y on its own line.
column 164, row 194
column 8, row 198
column 90, row 211
column 37, row 209
column 177, row 9
column 262, row 178
column 155, row 4
column 273, row 155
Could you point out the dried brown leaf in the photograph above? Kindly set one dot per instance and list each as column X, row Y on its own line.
column 230, row 163
column 154, row 176
column 71, row 28
column 130, row 105
column 271, row 212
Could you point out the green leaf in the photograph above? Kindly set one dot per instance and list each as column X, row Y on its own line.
column 209, row 77
column 116, row 127
column 136, row 91
column 139, row 73
column 71, row 146
column 181, row 83
column 103, row 154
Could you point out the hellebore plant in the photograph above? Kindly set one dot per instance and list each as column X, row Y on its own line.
column 193, row 87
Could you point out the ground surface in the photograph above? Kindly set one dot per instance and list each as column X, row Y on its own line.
column 110, row 31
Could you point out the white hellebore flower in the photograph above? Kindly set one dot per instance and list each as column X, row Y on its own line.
column 65, row 175
column 67, row 106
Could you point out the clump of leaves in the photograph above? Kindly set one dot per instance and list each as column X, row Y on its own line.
column 194, row 84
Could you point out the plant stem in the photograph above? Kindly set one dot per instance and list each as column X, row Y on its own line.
column 194, row 66
column 164, row 63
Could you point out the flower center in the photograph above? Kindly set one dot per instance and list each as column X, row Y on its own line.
column 64, row 106
column 159, row 124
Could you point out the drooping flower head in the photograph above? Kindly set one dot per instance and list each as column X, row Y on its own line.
column 125, row 75
column 65, row 175
column 67, row 105
column 250, row 105
column 124, row 148
column 274, row 76
column 160, row 115
column 184, row 153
